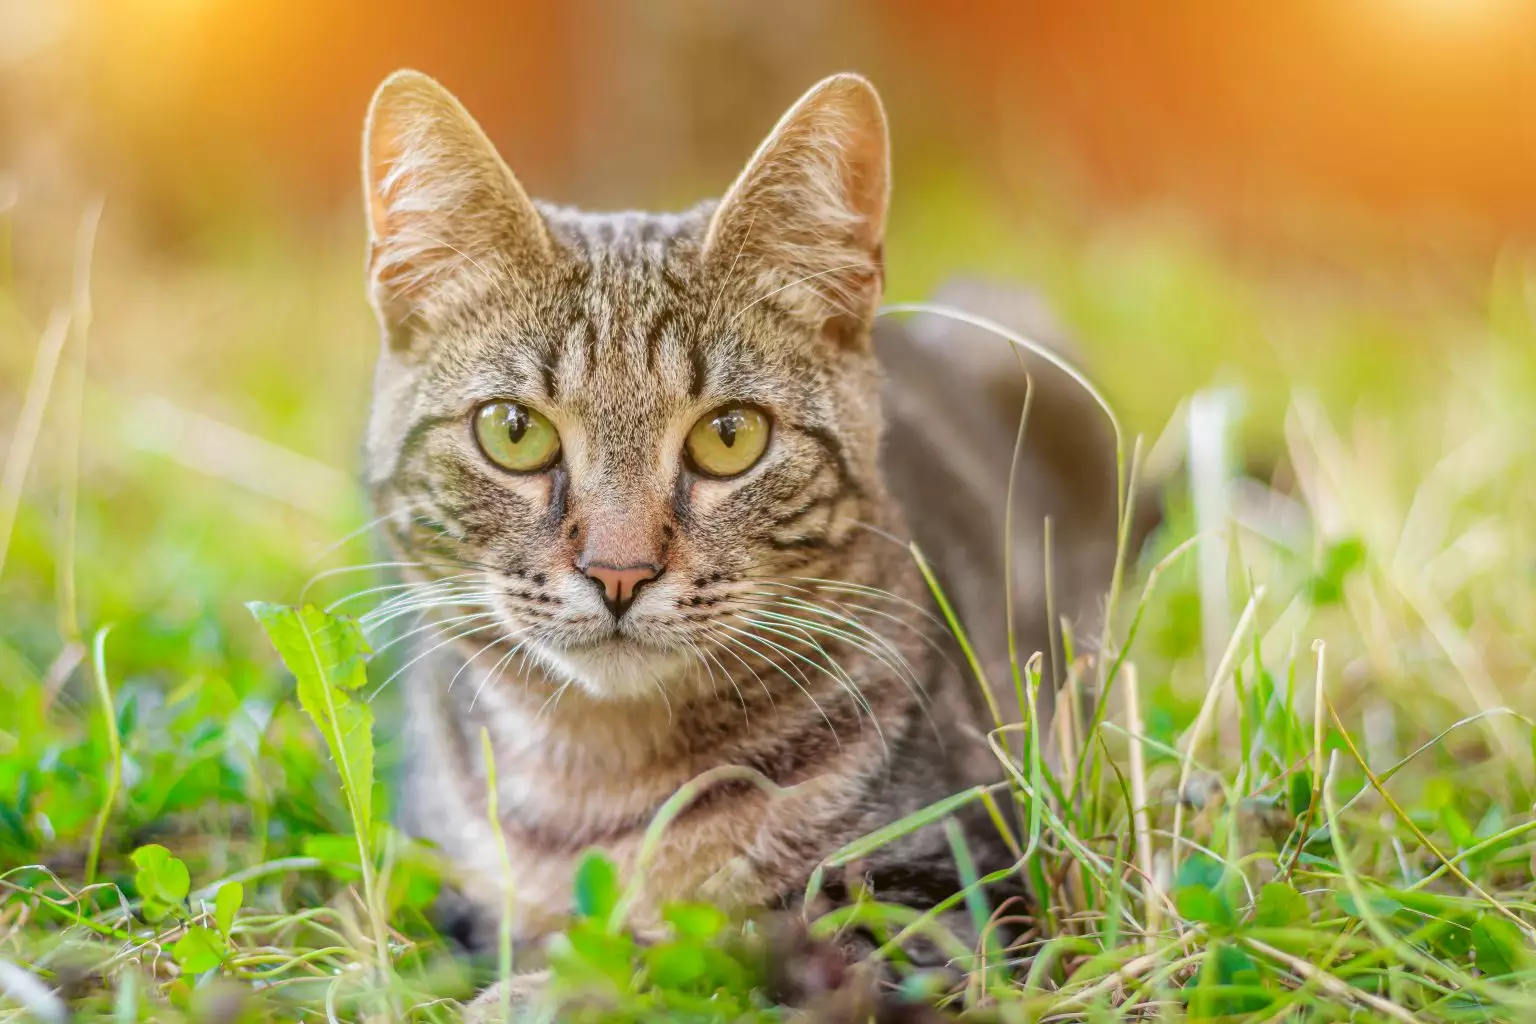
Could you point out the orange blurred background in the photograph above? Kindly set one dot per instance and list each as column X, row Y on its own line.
column 1258, row 115
column 1323, row 205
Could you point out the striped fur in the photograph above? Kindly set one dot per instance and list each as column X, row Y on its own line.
column 789, row 631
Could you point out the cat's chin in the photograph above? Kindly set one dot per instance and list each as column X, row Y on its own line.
column 619, row 669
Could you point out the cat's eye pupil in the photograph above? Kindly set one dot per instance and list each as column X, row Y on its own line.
column 728, row 441
column 516, row 437
column 517, row 423
column 726, row 426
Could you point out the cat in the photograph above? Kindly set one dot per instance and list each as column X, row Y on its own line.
column 658, row 474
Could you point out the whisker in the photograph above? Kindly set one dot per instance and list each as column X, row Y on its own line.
column 338, row 545
column 774, row 664
column 496, row 671
column 710, row 637
column 492, row 278
column 710, row 663
column 783, row 288
column 426, row 627
column 874, row 592
column 711, row 660
column 714, row 684
column 905, row 545
column 661, row 688
column 899, row 665
column 355, row 595
column 424, row 597
column 370, row 566
column 805, row 679
column 553, row 698
column 832, row 669
column 731, row 270
column 446, row 582
column 503, row 638
column 852, row 609
column 435, row 647
column 464, row 599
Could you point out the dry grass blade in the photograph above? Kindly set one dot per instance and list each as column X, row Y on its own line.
column 1328, row 983
column 1207, row 716
column 29, row 423
column 1380, row 787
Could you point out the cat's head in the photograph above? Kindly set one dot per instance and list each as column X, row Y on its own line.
column 615, row 436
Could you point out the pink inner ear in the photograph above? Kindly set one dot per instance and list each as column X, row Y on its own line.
column 809, row 210
column 446, row 213
column 839, row 122
column 866, row 180
column 383, row 187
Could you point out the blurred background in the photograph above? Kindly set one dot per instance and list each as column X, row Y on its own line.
column 184, row 109
column 1386, row 147
column 1257, row 200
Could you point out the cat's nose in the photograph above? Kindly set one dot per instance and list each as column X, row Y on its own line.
column 620, row 582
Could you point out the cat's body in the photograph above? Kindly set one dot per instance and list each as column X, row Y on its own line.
column 640, row 618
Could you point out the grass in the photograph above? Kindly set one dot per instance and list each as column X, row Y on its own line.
column 1298, row 787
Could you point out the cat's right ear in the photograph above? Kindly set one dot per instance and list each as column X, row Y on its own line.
column 446, row 216
column 804, row 223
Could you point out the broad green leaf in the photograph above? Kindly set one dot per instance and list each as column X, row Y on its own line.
column 338, row 853
column 1499, row 945
column 199, row 950
column 588, row 954
column 1236, row 967
column 327, row 656
column 149, row 860
column 1227, row 983
column 1492, row 823
column 1437, row 904
column 1201, row 869
column 1456, row 826
column 1381, row 905
column 676, row 965
column 1300, row 793
column 161, row 875
column 416, row 877
column 162, row 881
column 596, row 885
column 1279, row 905
column 155, row 910
column 225, row 903
column 701, row 969
column 694, row 920
column 1208, row 906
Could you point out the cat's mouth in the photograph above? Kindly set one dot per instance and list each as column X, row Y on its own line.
column 618, row 666
column 616, row 642
column 633, row 654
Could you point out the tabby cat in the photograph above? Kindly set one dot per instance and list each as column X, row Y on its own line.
column 634, row 464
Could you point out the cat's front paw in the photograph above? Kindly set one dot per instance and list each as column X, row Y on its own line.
column 738, row 883
column 510, row 999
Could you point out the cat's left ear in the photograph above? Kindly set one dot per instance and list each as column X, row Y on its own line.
column 805, row 222
column 446, row 215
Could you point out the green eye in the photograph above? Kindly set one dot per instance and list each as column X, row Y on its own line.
column 515, row 437
column 728, row 441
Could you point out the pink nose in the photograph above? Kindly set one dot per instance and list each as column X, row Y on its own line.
column 619, row 583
